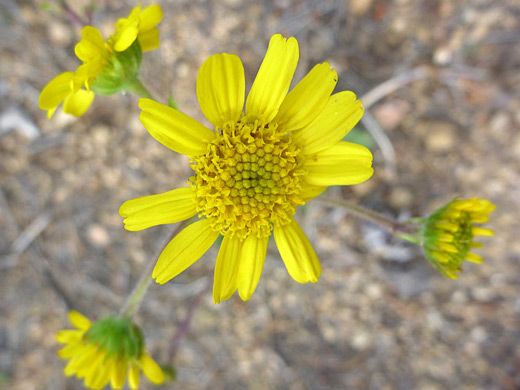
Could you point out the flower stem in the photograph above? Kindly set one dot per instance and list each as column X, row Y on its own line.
column 71, row 14
column 133, row 301
column 406, row 230
column 135, row 86
column 185, row 324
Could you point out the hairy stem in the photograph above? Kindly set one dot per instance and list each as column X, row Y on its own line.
column 406, row 230
column 139, row 89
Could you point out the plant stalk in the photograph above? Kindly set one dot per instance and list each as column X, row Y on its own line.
column 134, row 300
column 406, row 230
column 135, row 86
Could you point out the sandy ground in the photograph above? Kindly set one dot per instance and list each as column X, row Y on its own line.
column 380, row 317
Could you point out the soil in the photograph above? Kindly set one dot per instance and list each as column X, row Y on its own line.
column 380, row 316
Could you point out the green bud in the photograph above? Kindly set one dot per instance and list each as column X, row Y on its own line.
column 448, row 234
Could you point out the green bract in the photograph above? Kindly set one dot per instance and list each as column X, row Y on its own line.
column 120, row 73
column 118, row 336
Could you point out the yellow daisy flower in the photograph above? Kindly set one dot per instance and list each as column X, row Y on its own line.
column 448, row 234
column 254, row 169
column 112, row 57
column 106, row 351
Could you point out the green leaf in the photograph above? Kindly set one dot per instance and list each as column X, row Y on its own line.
column 360, row 136
column 172, row 103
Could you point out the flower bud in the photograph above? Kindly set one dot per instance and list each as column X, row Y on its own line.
column 106, row 351
column 448, row 234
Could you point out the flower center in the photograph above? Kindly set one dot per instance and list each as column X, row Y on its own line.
column 249, row 179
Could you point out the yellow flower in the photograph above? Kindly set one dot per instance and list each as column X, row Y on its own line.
column 113, row 58
column 252, row 172
column 448, row 234
column 140, row 25
column 106, row 351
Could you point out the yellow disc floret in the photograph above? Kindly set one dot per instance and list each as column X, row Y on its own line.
column 249, row 178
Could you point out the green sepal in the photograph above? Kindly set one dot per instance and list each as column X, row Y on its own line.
column 118, row 336
column 122, row 70
column 170, row 373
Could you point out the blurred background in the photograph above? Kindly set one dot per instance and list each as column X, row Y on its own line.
column 440, row 80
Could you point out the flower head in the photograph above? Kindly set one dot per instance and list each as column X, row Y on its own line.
column 105, row 351
column 448, row 234
column 254, row 169
column 107, row 66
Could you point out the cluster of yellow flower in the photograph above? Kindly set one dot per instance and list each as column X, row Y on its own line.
column 112, row 63
column 266, row 155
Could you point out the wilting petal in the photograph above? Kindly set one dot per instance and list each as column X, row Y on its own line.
column 174, row 129
column 169, row 207
column 297, row 253
column 221, row 88
column 342, row 164
column 184, row 250
column 273, row 79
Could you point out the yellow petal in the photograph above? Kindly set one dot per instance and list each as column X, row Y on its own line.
column 102, row 375
column 251, row 265
column 333, row 123
column 149, row 40
column 79, row 320
column 447, row 247
column 174, row 129
column 151, row 369
column 169, row 207
column 273, row 79
column 79, row 102
column 342, row 164
column 479, row 231
column 126, row 33
column 221, row 88
column 69, row 336
column 71, row 350
column 473, row 258
column 226, row 268
column 308, row 98
column 133, row 377
column 83, row 363
column 150, row 17
column 309, row 191
column 56, row 91
column 91, row 45
column 297, row 253
column 184, row 250
column 117, row 380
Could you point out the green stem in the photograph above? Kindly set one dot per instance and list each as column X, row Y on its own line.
column 406, row 230
column 135, row 86
column 133, row 301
